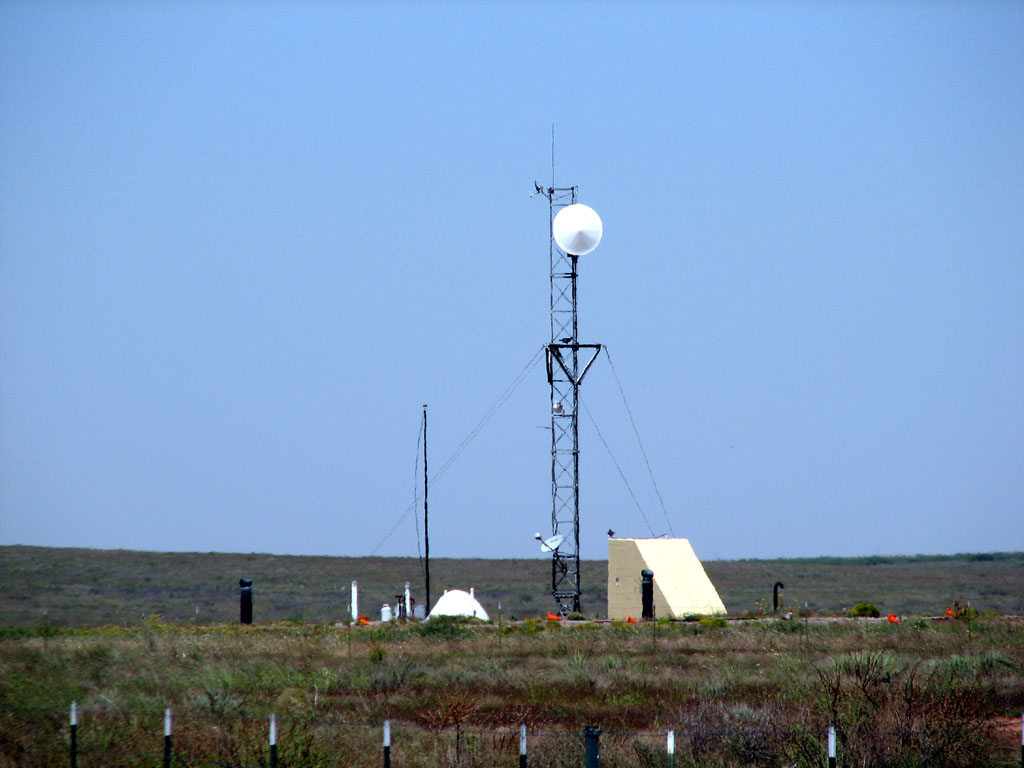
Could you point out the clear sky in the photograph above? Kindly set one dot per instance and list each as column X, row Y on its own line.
column 242, row 243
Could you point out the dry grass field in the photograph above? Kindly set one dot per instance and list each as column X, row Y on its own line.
column 118, row 633
column 922, row 692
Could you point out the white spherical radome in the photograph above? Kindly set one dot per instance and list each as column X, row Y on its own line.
column 577, row 229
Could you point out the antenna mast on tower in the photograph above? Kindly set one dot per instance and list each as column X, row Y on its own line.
column 576, row 232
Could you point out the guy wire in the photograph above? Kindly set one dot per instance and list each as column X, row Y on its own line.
column 639, row 442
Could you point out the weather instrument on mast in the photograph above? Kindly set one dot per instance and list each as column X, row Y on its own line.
column 575, row 230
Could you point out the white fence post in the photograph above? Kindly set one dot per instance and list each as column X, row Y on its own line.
column 273, row 741
column 167, row 738
column 74, row 734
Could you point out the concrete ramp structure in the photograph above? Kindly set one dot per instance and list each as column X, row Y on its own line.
column 681, row 587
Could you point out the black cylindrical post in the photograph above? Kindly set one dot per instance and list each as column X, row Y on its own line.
column 522, row 746
column 387, row 744
column 74, row 734
column 273, row 741
column 167, row 738
column 775, row 595
column 246, row 585
column 647, row 594
column 591, row 735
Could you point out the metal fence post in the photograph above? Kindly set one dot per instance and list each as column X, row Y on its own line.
column 74, row 734
column 273, row 741
column 387, row 744
column 591, row 735
column 831, row 746
column 671, row 748
column 522, row 746
column 167, row 738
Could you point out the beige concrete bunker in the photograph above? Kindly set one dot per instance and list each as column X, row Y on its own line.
column 681, row 587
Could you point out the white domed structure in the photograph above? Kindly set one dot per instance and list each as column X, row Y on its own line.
column 577, row 229
column 458, row 602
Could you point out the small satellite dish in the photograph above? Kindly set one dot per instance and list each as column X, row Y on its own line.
column 550, row 545
column 577, row 229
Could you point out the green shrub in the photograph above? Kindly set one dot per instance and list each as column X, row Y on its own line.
column 446, row 627
column 713, row 621
column 865, row 609
column 532, row 626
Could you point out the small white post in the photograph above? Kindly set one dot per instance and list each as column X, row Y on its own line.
column 408, row 602
column 273, row 741
column 168, row 761
column 522, row 745
column 671, row 747
column 355, row 601
column 831, row 746
column 387, row 733
column 74, row 734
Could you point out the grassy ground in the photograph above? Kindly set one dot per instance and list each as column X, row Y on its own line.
column 760, row 692
column 127, row 634
column 76, row 587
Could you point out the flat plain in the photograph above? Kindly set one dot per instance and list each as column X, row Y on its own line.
column 77, row 587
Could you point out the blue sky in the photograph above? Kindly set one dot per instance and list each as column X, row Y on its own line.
column 242, row 243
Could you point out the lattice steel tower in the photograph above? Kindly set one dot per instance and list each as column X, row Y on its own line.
column 567, row 363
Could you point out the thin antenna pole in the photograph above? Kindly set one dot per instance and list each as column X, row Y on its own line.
column 426, row 525
column 552, row 155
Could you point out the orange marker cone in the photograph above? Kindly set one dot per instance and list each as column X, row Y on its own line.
column 630, row 620
column 553, row 617
column 894, row 619
column 949, row 612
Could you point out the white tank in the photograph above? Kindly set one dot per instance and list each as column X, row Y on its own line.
column 385, row 612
